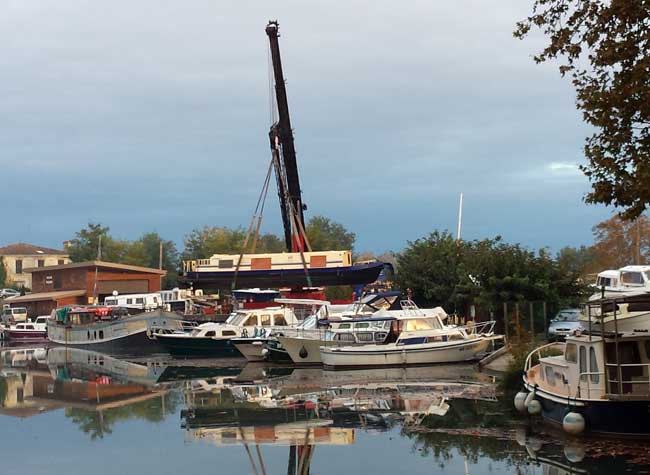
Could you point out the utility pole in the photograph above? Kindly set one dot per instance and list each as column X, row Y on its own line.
column 460, row 218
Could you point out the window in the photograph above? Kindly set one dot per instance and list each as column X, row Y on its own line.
column 593, row 366
column 266, row 320
column 344, row 337
column 571, row 353
column 225, row 263
column 251, row 321
column 210, row 333
column 359, row 326
column 344, row 326
column 228, row 333
column 379, row 337
column 101, row 334
column 364, row 337
column 19, row 266
column 634, row 278
column 61, row 262
column 550, row 375
column 41, row 263
column 583, row 362
column 129, row 301
column 139, row 300
column 280, row 321
column 57, row 281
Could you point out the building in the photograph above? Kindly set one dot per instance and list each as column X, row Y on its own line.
column 78, row 283
column 20, row 256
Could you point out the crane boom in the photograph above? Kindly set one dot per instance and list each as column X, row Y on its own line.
column 284, row 152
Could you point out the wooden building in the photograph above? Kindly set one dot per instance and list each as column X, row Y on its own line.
column 79, row 283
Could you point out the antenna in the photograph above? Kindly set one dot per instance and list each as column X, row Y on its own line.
column 460, row 217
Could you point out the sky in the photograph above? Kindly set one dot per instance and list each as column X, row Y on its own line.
column 154, row 116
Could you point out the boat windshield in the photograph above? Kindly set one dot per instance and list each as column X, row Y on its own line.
column 632, row 278
column 238, row 318
column 418, row 324
column 309, row 323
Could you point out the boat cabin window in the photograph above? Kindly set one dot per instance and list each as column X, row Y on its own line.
column 225, row 263
column 550, row 375
column 381, row 336
column 101, row 334
column 348, row 337
column 417, row 324
column 593, row 366
column 266, row 320
column 632, row 278
column 110, row 302
column 251, row 321
column 571, row 353
column 607, row 282
column 647, row 349
column 129, row 301
column 210, row 333
column 228, row 333
column 139, row 300
column 583, row 363
column 344, row 326
column 279, row 320
column 365, row 337
column 361, row 325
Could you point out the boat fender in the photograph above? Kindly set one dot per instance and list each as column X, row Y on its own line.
column 534, row 407
column 265, row 351
column 520, row 401
column 573, row 423
column 255, row 333
column 244, row 333
column 529, row 397
column 262, row 333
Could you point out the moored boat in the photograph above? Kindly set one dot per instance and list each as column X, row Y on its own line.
column 413, row 340
column 596, row 382
column 28, row 331
column 107, row 328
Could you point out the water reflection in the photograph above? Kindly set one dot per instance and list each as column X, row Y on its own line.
column 429, row 418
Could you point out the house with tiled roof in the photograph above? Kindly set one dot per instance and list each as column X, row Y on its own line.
column 20, row 256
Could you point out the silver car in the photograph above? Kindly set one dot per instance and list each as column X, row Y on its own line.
column 565, row 322
column 6, row 293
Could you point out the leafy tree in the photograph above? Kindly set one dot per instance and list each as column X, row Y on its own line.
column 619, row 243
column 85, row 245
column 327, row 235
column 603, row 45
column 147, row 248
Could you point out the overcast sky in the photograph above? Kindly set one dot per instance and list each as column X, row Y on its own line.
column 154, row 115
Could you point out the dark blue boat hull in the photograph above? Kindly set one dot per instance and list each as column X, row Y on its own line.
column 197, row 347
column 351, row 275
column 605, row 417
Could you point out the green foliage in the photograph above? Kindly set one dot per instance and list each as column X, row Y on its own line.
column 203, row 243
column 603, row 46
column 327, row 235
column 486, row 273
column 144, row 251
column 338, row 292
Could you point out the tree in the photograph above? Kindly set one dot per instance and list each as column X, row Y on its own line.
column 619, row 243
column 147, row 250
column 203, row 243
column 85, row 245
column 327, row 235
column 604, row 45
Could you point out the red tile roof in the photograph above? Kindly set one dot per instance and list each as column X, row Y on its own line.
column 22, row 248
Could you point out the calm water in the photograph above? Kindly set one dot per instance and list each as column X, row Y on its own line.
column 73, row 411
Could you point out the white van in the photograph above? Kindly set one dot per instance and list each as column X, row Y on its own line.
column 14, row 315
column 145, row 302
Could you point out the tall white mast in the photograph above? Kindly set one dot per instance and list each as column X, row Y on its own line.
column 460, row 217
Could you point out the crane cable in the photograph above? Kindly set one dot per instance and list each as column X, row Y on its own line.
column 257, row 217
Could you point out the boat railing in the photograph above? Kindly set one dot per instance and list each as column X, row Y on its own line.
column 482, row 328
column 409, row 307
column 534, row 355
column 618, row 384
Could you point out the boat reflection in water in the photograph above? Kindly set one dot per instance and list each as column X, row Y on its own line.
column 310, row 407
column 89, row 385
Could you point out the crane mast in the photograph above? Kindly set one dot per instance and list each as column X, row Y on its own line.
column 284, row 154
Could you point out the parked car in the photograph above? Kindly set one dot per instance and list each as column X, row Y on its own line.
column 14, row 315
column 565, row 322
column 6, row 293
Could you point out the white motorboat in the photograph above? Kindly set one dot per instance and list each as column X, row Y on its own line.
column 415, row 339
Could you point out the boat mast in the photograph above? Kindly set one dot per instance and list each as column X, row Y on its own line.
column 284, row 154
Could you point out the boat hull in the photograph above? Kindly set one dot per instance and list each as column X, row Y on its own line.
column 630, row 418
column 350, row 275
column 253, row 349
column 393, row 355
column 305, row 351
column 128, row 333
column 25, row 335
column 196, row 347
